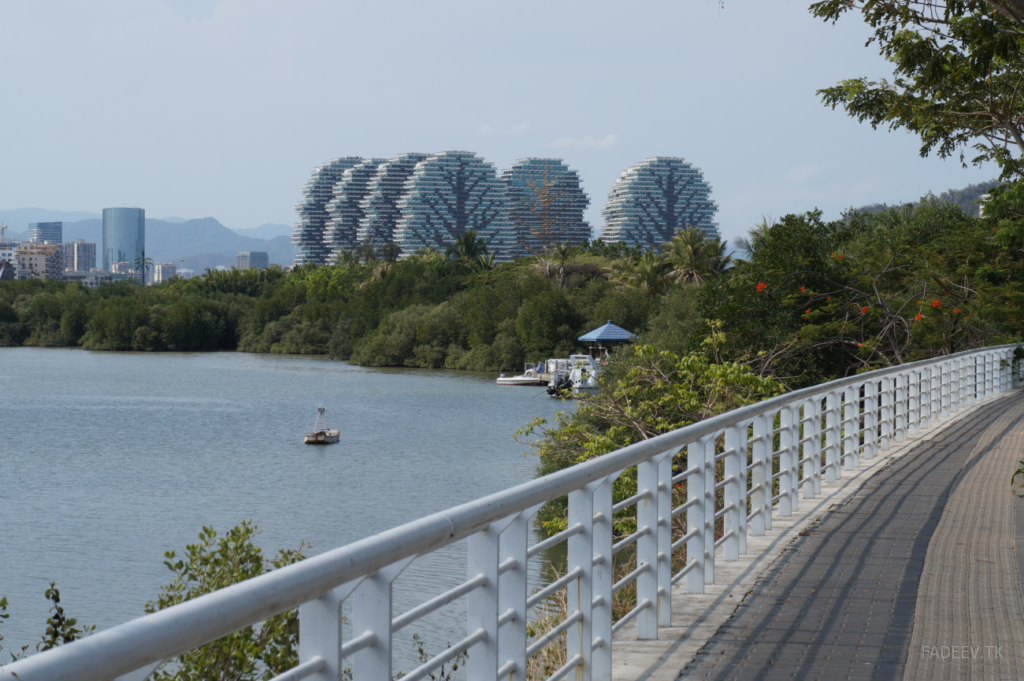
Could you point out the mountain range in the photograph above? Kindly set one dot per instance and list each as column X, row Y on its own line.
column 202, row 243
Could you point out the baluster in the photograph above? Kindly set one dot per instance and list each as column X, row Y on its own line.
column 935, row 411
column 961, row 383
column 320, row 630
column 870, row 421
column 945, row 379
column 900, row 408
column 972, row 379
column 736, row 492
column 886, row 411
column 695, row 485
column 710, row 447
column 926, row 399
column 832, row 434
column 664, row 508
column 647, row 550
column 760, row 471
column 601, row 580
column 371, row 613
column 512, row 588
column 811, row 470
column 913, row 403
column 580, row 592
column 786, row 447
column 851, row 421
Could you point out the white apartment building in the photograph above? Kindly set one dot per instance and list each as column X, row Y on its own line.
column 163, row 271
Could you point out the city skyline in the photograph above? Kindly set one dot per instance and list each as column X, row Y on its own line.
column 794, row 154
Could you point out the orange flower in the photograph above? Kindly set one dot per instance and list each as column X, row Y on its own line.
column 936, row 303
column 807, row 311
column 864, row 310
column 803, row 290
column 761, row 286
column 956, row 310
column 918, row 317
column 919, row 302
column 860, row 345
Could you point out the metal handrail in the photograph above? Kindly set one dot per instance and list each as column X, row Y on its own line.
column 369, row 564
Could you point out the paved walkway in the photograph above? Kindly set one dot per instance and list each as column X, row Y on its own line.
column 914, row 576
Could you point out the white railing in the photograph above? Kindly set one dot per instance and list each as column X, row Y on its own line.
column 768, row 452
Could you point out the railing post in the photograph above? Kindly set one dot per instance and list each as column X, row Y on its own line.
column 647, row 550
column 580, row 592
column 832, row 434
column 710, row 445
column 988, row 374
column 870, row 420
column 736, row 491
column 811, row 469
column 961, row 383
column 914, row 402
column 760, row 466
column 786, row 447
column 936, row 407
column 945, row 379
column 851, row 421
column 886, row 414
column 695, row 457
column 320, row 631
column 512, row 587
column 926, row 398
column 602, row 576
column 371, row 613
column 900, row 408
column 664, row 462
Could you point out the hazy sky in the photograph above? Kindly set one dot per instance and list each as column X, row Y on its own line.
column 221, row 108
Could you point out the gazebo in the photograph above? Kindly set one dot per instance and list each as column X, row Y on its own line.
column 609, row 333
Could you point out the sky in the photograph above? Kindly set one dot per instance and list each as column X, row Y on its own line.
column 222, row 108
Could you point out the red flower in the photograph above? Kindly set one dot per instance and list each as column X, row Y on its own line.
column 936, row 303
column 918, row 317
column 841, row 256
column 828, row 299
column 808, row 311
column 761, row 286
column 864, row 310
column 860, row 345
column 919, row 302
column 803, row 290
column 956, row 310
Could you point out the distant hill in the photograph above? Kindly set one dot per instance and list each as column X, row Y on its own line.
column 267, row 230
column 966, row 198
column 19, row 218
column 169, row 241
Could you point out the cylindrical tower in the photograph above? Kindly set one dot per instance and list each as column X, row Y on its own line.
column 124, row 236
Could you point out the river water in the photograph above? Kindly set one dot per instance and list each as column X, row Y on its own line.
column 109, row 459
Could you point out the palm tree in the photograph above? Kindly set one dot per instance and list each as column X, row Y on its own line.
column 748, row 244
column 620, row 270
column 560, row 254
column 467, row 247
column 694, row 257
column 651, row 274
column 142, row 263
column 484, row 262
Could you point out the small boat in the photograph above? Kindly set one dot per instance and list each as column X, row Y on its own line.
column 321, row 435
column 579, row 378
column 531, row 376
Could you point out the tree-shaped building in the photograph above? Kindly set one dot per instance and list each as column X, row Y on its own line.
column 380, row 204
column 345, row 210
column 308, row 236
column 545, row 203
column 449, row 194
column 654, row 199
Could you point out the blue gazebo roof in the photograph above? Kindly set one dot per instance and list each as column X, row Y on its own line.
column 607, row 333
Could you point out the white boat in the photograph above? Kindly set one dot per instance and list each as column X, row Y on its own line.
column 578, row 377
column 321, row 435
column 533, row 375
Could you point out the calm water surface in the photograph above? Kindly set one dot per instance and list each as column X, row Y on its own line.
column 108, row 460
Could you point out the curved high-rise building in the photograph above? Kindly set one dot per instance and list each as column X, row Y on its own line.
column 654, row 199
column 345, row 210
column 545, row 203
column 124, row 236
column 447, row 195
column 380, row 205
column 319, row 190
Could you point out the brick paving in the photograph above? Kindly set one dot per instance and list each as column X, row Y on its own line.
column 840, row 601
